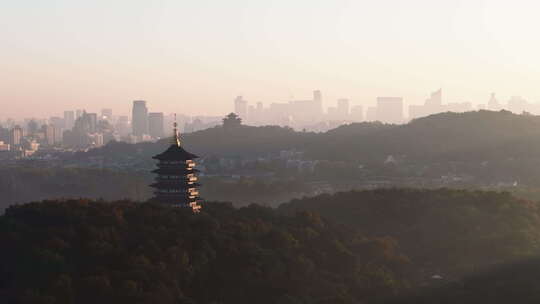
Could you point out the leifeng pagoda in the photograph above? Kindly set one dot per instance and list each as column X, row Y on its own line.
column 176, row 181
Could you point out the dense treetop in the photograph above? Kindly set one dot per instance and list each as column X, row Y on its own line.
column 80, row 251
column 386, row 242
column 444, row 232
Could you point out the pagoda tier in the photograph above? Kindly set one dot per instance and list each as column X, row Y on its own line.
column 176, row 182
column 164, row 171
column 161, row 184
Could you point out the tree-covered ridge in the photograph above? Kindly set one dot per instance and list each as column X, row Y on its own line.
column 478, row 135
column 444, row 232
column 470, row 136
column 489, row 147
column 225, row 142
column 81, row 251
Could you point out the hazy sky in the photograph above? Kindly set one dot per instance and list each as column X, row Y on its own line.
column 196, row 56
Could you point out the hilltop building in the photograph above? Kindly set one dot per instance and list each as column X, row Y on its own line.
column 176, row 181
column 231, row 121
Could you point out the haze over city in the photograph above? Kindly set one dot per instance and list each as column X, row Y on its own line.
column 194, row 57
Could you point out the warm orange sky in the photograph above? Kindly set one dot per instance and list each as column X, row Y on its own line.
column 194, row 57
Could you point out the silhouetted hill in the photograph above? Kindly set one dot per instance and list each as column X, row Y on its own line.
column 239, row 141
column 89, row 252
column 444, row 232
column 478, row 136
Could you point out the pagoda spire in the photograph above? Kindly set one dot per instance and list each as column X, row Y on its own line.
column 176, row 138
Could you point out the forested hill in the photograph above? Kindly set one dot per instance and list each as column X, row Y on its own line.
column 444, row 232
column 471, row 136
column 240, row 141
column 480, row 135
column 362, row 248
column 122, row 252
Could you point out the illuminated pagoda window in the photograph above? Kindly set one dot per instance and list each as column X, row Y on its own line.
column 176, row 181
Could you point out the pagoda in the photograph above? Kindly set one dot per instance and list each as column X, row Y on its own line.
column 176, row 181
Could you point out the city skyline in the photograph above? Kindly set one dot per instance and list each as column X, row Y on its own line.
column 81, row 130
column 58, row 56
column 327, row 105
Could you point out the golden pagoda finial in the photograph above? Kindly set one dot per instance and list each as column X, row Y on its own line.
column 176, row 138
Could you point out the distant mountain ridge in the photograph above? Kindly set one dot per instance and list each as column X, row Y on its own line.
column 489, row 147
column 443, row 136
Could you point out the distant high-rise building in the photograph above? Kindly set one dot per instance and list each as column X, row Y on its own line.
column 303, row 110
column 78, row 113
column 57, row 121
column 58, row 135
column 155, row 125
column 139, row 121
column 69, row 120
column 122, row 125
column 357, row 113
column 92, row 119
column 390, row 109
column 49, row 135
column 106, row 114
column 87, row 123
column 53, row 134
column 279, row 113
column 343, row 108
column 432, row 105
column 257, row 116
column 16, row 136
column 241, row 107
column 317, row 98
column 435, row 100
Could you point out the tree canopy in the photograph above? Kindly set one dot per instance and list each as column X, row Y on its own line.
column 79, row 251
